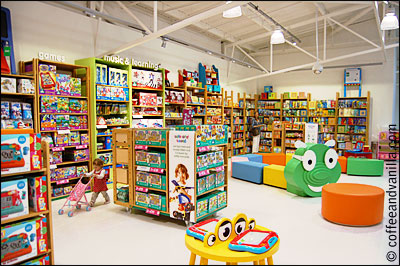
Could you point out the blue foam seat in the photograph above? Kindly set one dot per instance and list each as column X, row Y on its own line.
column 253, row 157
column 250, row 171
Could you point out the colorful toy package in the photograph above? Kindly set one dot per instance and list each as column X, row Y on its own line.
column 142, row 178
column 48, row 122
column 8, row 85
column 141, row 137
column 84, row 139
column 47, row 79
column 63, row 84
column 220, row 178
column 14, row 199
column 156, row 159
column 48, row 104
column 84, row 106
column 123, row 194
column 75, row 106
column 157, row 201
column 81, row 170
column 74, row 139
column 213, row 201
column 61, row 140
column 157, row 181
column 201, row 185
column 83, row 122
column 16, row 110
column 142, row 199
column 5, row 110
column 26, row 111
column 25, row 86
column 210, row 181
column 20, row 153
column 62, row 121
column 56, row 157
column 76, row 86
column 74, row 122
column 221, row 199
column 62, row 105
column 38, row 193
column 44, row 260
column 49, row 138
column 202, row 206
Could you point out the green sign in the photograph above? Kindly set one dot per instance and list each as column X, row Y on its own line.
column 7, row 50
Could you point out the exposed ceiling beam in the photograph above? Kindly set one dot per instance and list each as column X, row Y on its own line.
column 323, row 11
column 175, row 27
column 155, row 27
column 254, row 16
column 97, row 27
column 353, row 19
column 179, row 6
column 345, row 2
column 299, row 24
column 252, row 59
column 301, row 49
column 133, row 16
column 378, row 24
column 373, row 50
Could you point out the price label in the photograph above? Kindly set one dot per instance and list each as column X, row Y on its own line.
column 63, row 131
column 58, row 149
column 137, row 116
column 53, row 166
column 205, row 148
column 142, row 189
column 79, row 147
column 101, row 126
column 153, row 212
column 64, row 181
column 156, row 170
column 143, row 168
column 141, row 147
column 204, row 172
column 219, row 168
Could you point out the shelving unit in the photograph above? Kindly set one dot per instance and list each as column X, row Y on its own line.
column 214, row 107
column 352, row 121
column 292, row 133
column 178, row 103
column 238, row 127
column 196, row 99
column 30, row 98
column 295, row 109
column 72, row 128
column 278, row 137
column 250, row 107
column 45, row 171
column 228, row 120
column 388, row 145
column 269, row 111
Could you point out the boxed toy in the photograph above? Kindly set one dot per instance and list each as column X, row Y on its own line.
column 141, row 158
column 74, row 122
column 26, row 111
column 26, row 86
column 8, row 85
column 219, row 178
column 61, row 140
column 76, row 86
column 123, row 194
column 63, row 84
column 48, row 104
column 202, row 206
column 213, row 201
column 55, row 157
column 221, row 199
column 47, row 79
column 210, row 181
column 142, row 178
column 5, row 110
column 141, row 137
column 62, row 122
column 142, row 199
column 84, row 106
column 48, row 122
column 78, row 155
column 49, row 138
column 20, row 153
column 41, row 235
column 74, row 138
column 16, row 110
column 14, row 199
column 62, row 105
column 101, row 74
column 38, row 193
column 157, row 181
column 157, row 201
column 81, row 170
column 201, row 185
column 124, row 78
column 75, row 106
column 44, row 260
column 157, row 137
column 156, row 159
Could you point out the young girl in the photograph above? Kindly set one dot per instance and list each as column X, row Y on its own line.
column 100, row 182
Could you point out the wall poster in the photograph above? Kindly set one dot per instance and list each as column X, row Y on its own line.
column 311, row 133
column 182, row 175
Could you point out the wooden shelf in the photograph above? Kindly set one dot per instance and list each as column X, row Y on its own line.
column 49, row 131
column 173, row 118
column 104, row 150
column 145, row 89
column 31, row 214
column 113, row 101
column 105, row 85
column 5, row 94
column 117, row 125
column 64, row 114
column 25, row 173
column 160, row 106
column 73, row 178
column 20, row 76
column 175, row 88
column 200, row 104
column 71, row 162
column 67, row 96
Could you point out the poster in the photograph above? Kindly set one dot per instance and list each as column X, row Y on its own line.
column 182, row 175
column 187, row 116
column 311, row 133
column 147, row 79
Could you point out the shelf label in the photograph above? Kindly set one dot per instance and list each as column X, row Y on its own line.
column 219, row 168
column 53, row 166
column 153, row 212
column 63, row 131
column 137, row 116
column 156, row 170
column 101, row 126
column 205, row 148
column 141, row 189
column 58, row 149
column 204, row 172
column 79, row 147
column 141, row 147
column 143, row 168
column 64, row 181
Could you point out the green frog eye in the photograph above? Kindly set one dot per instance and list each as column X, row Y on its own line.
column 309, row 160
column 331, row 158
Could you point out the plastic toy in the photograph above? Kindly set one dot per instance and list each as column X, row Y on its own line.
column 12, row 156
column 75, row 197
column 312, row 167
column 255, row 241
column 15, row 246
column 38, row 193
column 185, row 206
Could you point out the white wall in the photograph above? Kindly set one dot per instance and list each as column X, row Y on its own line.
column 38, row 27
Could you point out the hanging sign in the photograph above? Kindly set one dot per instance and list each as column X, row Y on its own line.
column 182, row 175
column 311, row 133
column 127, row 61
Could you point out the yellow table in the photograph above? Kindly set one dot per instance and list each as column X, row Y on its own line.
column 221, row 252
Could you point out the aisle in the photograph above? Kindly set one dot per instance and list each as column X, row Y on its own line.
column 110, row 235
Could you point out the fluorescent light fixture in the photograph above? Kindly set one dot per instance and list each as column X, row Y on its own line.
column 277, row 37
column 233, row 12
column 390, row 21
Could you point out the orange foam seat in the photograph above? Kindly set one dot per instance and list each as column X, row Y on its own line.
column 352, row 204
column 274, row 158
column 343, row 163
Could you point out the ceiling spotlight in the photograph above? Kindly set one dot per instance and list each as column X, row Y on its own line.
column 208, row 52
column 294, row 43
column 277, row 37
column 317, row 68
column 233, row 61
column 390, row 21
column 249, row 66
column 164, row 43
column 233, row 12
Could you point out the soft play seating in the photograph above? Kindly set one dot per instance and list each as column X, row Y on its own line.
column 352, row 204
column 273, row 158
column 238, row 159
column 274, row 176
column 252, row 157
column 289, row 156
column 249, row 171
column 343, row 163
column 362, row 166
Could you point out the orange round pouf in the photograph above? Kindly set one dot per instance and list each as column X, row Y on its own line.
column 352, row 204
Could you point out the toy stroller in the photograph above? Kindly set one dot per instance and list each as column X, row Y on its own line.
column 75, row 196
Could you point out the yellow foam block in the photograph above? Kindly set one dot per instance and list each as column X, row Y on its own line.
column 273, row 175
column 288, row 157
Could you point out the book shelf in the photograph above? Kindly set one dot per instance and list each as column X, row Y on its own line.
column 214, row 107
column 45, row 171
column 295, row 107
column 352, row 121
column 388, row 145
column 175, row 102
column 228, row 120
column 238, row 132
column 269, row 111
column 278, row 136
column 249, row 110
column 63, row 119
column 196, row 99
column 291, row 133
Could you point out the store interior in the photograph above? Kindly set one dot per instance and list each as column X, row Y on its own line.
column 165, row 94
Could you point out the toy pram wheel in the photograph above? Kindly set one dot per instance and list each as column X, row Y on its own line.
column 60, row 211
column 70, row 213
column 78, row 206
column 88, row 208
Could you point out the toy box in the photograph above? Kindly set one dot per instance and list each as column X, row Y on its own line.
column 141, row 158
column 62, row 122
column 212, row 201
column 141, row 137
column 210, row 181
column 149, row 99
column 58, row 192
column 142, row 178
column 83, row 122
column 123, row 194
column 156, row 159
column 38, row 193
column 62, row 105
column 48, row 104
column 74, row 122
column 44, row 260
column 124, row 78
column 20, row 153
column 5, row 110
column 61, row 140
column 74, row 139
column 142, row 199
column 81, row 170
column 111, row 76
column 26, row 111
column 219, row 178
column 84, row 106
column 67, row 190
column 157, row 181
column 76, row 86
column 25, row 86
column 55, row 157
column 49, row 138
column 41, row 235
column 202, row 206
column 221, row 199
column 157, row 201
column 8, row 85
column 101, row 74
column 14, row 199
column 18, row 242
column 157, row 137
column 77, row 155
column 201, row 185
column 47, row 79
column 48, row 122
column 63, row 84
column 16, row 110
column 75, row 106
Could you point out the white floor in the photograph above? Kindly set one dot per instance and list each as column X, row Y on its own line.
column 110, row 235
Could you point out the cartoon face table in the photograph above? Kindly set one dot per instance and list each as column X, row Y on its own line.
column 221, row 252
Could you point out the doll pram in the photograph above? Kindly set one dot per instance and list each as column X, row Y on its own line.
column 75, row 196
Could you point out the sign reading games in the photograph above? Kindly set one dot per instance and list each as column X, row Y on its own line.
column 51, row 57
column 126, row 61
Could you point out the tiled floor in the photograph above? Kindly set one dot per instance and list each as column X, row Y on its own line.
column 110, row 235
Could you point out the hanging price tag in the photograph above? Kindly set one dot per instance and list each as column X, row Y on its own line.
column 101, row 126
column 153, row 212
column 141, row 189
column 7, row 50
column 79, row 147
column 219, row 168
column 53, row 166
column 141, row 147
column 205, row 148
column 58, row 149
column 64, row 181
column 143, row 168
column 204, row 172
column 156, row 170
column 63, row 131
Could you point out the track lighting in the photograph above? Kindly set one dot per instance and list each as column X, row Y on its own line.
column 277, row 37
column 390, row 21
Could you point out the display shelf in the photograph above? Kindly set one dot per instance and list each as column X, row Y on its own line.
column 210, row 213
column 71, row 162
column 18, row 76
column 145, row 89
column 17, row 94
column 31, row 214
column 97, row 100
column 73, row 178
column 25, row 173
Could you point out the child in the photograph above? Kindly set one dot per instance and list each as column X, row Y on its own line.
column 100, row 182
